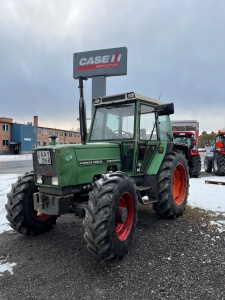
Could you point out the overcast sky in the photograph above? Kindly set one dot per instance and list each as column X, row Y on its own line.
column 175, row 49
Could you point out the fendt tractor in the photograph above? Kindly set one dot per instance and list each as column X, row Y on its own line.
column 215, row 156
column 187, row 132
column 128, row 156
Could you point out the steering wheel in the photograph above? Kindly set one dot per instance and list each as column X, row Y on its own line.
column 125, row 134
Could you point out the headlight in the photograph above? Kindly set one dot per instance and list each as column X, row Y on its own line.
column 55, row 181
column 39, row 179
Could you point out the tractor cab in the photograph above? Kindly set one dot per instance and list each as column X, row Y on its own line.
column 186, row 137
column 138, row 124
column 194, row 160
column 220, row 141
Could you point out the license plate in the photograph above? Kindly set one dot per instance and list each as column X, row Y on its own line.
column 44, row 157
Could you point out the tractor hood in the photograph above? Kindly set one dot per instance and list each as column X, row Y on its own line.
column 74, row 164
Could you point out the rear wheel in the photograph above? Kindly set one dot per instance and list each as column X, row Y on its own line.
column 173, row 186
column 219, row 164
column 195, row 166
column 20, row 209
column 208, row 164
column 111, row 216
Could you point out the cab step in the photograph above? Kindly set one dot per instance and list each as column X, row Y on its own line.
column 147, row 201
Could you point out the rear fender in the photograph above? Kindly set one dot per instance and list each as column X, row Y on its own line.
column 183, row 148
column 193, row 152
column 221, row 151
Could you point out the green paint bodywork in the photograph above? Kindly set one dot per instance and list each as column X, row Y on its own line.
column 69, row 157
column 155, row 164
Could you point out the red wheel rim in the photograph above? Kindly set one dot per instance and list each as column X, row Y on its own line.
column 123, row 230
column 179, row 185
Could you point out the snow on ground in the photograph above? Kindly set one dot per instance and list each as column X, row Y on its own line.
column 209, row 197
column 6, row 266
column 5, row 186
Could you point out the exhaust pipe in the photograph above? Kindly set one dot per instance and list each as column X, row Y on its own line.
column 82, row 113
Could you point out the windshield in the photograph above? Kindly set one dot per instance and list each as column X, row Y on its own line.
column 114, row 122
column 184, row 139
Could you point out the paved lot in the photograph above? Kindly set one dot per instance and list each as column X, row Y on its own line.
column 168, row 259
column 16, row 167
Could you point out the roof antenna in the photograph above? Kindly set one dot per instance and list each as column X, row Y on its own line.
column 160, row 96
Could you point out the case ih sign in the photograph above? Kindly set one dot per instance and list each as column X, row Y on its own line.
column 105, row 62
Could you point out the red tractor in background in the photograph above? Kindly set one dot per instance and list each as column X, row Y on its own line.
column 215, row 156
column 187, row 132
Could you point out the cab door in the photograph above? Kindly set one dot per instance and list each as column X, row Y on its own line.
column 148, row 142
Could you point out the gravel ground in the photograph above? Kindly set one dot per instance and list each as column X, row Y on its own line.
column 168, row 259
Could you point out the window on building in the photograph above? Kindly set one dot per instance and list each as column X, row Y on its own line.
column 5, row 142
column 70, row 134
column 35, row 131
column 74, row 135
column 66, row 133
column 5, row 127
column 45, row 143
column 39, row 143
column 78, row 135
column 45, row 131
column 56, row 133
column 34, row 144
column 61, row 133
column 50, row 132
column 39, row 131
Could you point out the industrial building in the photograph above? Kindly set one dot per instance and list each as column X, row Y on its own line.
column 23, row 138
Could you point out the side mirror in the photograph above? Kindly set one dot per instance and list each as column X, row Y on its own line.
column 165, row 109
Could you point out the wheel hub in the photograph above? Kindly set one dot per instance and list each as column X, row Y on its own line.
column 121, row 215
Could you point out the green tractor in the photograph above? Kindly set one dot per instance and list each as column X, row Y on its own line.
column 128, row 157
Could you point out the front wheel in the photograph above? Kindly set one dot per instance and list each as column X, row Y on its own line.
column 111, row 216
column 173, row 186
column 20, row 209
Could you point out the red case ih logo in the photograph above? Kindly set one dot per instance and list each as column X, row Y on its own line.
column 99, row 62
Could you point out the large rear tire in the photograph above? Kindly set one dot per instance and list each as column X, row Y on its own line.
column 208, row 164
column 111, row 216
column 20, row 210
column 195, row 166
column 219, row 164
column 173, row 186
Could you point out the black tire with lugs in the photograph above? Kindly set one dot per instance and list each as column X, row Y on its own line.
column 106, row 237
column 20, row 212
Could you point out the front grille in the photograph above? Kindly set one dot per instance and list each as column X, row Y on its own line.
column 114, row 98
column 47, row 180
column 49, row 170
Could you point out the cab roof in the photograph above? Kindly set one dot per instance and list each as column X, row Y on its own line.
column 123, row 97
